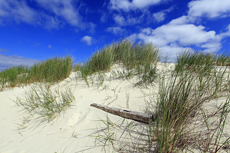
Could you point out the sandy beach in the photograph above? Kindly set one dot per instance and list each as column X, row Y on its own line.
column 77, row 128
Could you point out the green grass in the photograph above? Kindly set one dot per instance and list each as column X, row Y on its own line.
column 40, row 101
column 43, row 103
column 194, row 82
column 177, row 109
column 223, row 60
column 125, row 52
column 200, row 62
column 178, row 104
column 196, row 62
column 51, row 70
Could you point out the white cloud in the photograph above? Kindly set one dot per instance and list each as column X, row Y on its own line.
column 180, row 20
column 179, row 34
column 171, row 52
column 209, row 8
column 211, row 46
column 215, row 44
column 19, row 11
column 10, row 61
column 87, row 40
column 126, row 5
column 63, row 9
column 115, row 30
column 227, row 33
column 50, row 22
column 49, row 46
column 183, row 34
column 160, row 16
column 120, row 20
column 57, row 13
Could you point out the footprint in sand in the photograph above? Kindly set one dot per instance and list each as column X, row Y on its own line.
column 79, row 117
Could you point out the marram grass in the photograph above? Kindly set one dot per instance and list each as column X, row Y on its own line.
column 177, row 109
column 41, row 102
column 125, row 52
column 51, row 70
column 178, row 105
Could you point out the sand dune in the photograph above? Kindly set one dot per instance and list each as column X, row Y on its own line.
column 74, row 129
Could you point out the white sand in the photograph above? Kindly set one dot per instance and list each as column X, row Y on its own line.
column 71, row 131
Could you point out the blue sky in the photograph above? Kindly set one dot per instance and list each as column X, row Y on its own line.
column 33, row 30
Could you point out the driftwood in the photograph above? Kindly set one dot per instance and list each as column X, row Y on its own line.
column 133, row 115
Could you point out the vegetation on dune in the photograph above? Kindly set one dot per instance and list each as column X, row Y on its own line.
column 180, row 122
column 223, row 60
column 200, row 61
column 125, row 52
column 51, row 70
column 41, row 102
column 179, row 107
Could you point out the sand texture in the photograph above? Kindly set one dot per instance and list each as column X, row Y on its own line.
column 76, row 129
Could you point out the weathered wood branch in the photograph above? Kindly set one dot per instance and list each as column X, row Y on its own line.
column 133, row 115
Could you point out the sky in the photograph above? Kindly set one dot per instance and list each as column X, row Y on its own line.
column 34, row 30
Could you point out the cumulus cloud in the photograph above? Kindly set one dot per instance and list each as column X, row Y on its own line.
column 170, row 52
column 10, row 61
column 87, row 39
column 209, row 8
column 115, row 30
column 126, row 5
column 178, row 35
column 183, row 34
column 49, row 46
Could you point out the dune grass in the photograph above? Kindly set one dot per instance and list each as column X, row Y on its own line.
column 223, row 60
column 178, row 106
column 43, row 103
column 181, row 123
column 200, row 62
column 179, row 103
column 125, row 52
column 40, row 100
column 51, row 70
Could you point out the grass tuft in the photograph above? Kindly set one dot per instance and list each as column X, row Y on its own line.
column 40, row 101
column 125, row 52
column 178, row 109
column 51, row 70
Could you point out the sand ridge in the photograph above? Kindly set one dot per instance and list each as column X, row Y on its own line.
column 74, row 129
